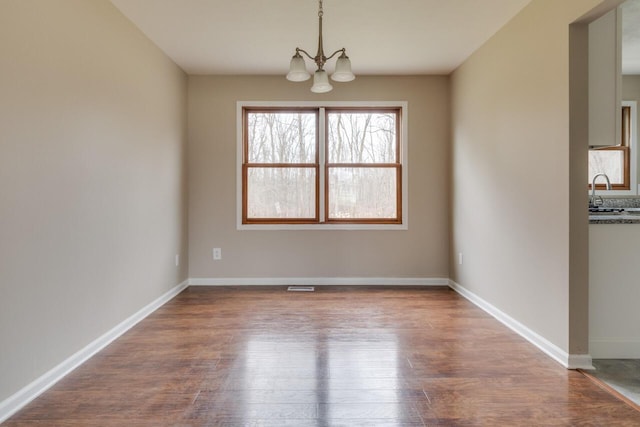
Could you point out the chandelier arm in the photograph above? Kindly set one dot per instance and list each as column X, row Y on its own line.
column 298, row 50
column 343, row 50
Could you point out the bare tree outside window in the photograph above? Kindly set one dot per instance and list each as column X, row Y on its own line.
column 281, row 193
column 362, row 137
column 275, row 137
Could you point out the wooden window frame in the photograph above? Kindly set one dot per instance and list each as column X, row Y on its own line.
column 246, row 165
column 397, row 165
column 321, row 167
column 625, row 148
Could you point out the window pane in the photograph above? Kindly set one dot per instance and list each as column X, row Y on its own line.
column 610, row 162
column 281, row 193
column 281, row 137
column 362, row 193
column 362, row 137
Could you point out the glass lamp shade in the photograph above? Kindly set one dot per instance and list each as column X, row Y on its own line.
column 297, row 69
column 343, row 71
column 321, row 82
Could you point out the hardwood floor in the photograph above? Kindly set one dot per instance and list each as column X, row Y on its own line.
column 341, row 356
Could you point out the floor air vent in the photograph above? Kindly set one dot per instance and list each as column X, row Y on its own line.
column 301, row 289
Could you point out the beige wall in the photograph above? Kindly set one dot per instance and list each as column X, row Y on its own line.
column 420, row 252
column 631, row 88
column 92, row 179
column 511, row 186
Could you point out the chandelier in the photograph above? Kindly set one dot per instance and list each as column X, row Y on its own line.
column 298, row 70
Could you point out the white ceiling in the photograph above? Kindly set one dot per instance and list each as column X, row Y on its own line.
column 259, row 36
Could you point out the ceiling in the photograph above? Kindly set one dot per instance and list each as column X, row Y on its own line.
column 382, row 37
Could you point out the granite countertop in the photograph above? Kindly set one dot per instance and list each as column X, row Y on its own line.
column 615, row 219
column 630, row 215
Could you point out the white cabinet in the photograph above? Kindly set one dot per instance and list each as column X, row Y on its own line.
column 614, row 291
column 605, row 75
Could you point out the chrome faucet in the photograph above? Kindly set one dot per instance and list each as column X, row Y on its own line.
column 593, row 201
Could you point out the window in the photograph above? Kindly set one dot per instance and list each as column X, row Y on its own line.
column 617, row 162
column 363, row 167
column 280, row 169
column 327, row 165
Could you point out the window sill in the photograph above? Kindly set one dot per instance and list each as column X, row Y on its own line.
column 318, row 227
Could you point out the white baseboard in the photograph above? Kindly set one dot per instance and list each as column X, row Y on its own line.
column 614, row 348
column 15, row 402
column 569, row 361
column 319, row 281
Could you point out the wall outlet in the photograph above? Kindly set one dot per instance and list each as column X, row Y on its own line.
column 217, row 254
column 177, row 260
column 460, row 258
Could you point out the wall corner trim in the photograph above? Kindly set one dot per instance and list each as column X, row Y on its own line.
column 320, row 281
column 18, row 400
column 580, row 361
column 569, row 361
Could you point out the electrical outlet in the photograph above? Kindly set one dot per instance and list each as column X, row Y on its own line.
column 177, row 260
column 217, row 254
column 460, row 258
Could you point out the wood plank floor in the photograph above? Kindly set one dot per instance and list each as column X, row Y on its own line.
column 341, row 356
